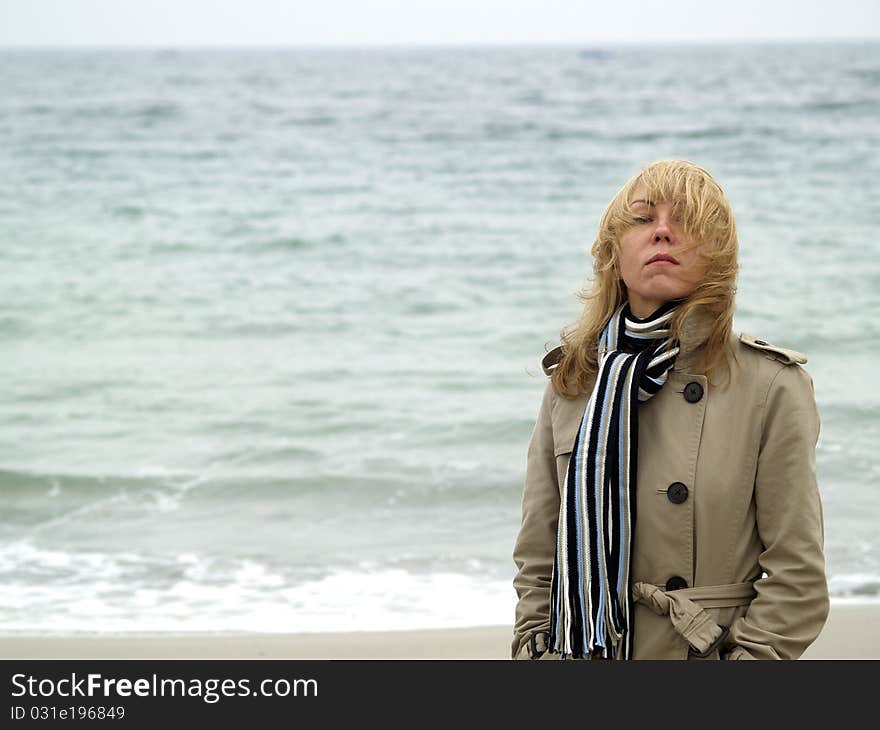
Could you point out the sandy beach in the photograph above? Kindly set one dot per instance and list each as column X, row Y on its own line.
column 852, row 632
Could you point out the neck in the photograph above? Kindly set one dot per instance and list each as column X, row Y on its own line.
column 641, row 312
column 643, row 308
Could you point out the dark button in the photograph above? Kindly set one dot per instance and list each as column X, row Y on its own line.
column 676, row 582
column 693, row 392
column 760, row 342
column 677, row 492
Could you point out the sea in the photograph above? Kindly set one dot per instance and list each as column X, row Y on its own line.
column 271, row 319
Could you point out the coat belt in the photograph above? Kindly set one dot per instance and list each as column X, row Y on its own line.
column 686, row 608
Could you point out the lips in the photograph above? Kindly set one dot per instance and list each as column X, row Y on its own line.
column 662, row 256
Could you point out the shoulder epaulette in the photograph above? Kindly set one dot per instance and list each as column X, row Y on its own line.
column 551, row 360
column 783, row 354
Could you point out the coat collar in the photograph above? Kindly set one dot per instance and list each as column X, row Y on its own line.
column 695, row 331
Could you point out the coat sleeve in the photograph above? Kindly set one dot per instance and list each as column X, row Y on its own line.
column 535, row 545
column 791, row 602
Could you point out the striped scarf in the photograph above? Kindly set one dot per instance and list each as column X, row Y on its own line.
column 591, row 605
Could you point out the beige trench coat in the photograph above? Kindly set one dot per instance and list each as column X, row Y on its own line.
column 728, row 544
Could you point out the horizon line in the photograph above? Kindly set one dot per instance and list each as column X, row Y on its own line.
column 414, row 45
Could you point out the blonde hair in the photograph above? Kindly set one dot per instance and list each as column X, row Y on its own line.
column 707, row 220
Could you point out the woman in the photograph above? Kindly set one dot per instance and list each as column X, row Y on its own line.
column 670, row 508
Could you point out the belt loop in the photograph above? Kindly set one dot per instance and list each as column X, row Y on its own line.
column 534, row 652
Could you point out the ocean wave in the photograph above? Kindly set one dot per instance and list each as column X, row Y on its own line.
column 128, row 591
column 111, row 593
column 854, row 586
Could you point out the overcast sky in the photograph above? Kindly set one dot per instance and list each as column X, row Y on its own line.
column 417, row 22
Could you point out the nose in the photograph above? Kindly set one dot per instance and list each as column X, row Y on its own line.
column 662, row 232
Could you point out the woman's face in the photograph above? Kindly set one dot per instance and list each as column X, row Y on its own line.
column 657, row 232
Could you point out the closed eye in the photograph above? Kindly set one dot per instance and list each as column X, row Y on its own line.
column 646, row 219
